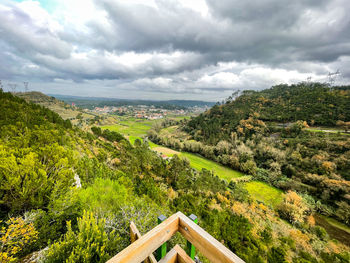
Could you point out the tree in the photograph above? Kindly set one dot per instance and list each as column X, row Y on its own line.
column 96, row 130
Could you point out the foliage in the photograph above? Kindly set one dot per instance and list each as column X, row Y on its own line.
column 90, row 243
column 14, row 237
column 314, row 102
column 293, row 208
column 116, row 183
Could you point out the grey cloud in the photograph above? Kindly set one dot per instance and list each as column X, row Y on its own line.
column 255, row 40
column 269, row 31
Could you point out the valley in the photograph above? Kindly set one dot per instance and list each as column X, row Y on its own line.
column 174, row 131
column 134, row 129
column 272, row 194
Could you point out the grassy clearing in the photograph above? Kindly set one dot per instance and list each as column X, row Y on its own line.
column 328, row 130
column 131, row 127
column 265, row 193
column 198, row 162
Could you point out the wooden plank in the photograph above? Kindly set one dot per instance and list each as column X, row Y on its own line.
column 134, row 232
column 170, row 257
column 182, row 256
column 143, row 247
column 135, row 235
column 205, row 243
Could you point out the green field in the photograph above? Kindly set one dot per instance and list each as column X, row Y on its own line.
column 131, row 127
column 265, row 193
column 198, row 162
column 328, row 131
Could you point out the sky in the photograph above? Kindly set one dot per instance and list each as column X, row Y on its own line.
column 171, row 49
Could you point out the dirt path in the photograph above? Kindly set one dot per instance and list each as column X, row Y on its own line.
column 334, row 232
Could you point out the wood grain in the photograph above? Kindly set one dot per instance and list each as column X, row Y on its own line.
column 143, row 247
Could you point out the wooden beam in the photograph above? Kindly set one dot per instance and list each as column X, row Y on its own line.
column 182, row 256
column 143, row 247
column 170, row 257
column 135, row 235
column 205, row 243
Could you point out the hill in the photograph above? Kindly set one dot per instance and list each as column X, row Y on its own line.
column 75, row 114
column 65, row 110
column 316, row 103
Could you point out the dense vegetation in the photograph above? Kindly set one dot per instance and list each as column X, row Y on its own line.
column 316, row 103
column 68, row 196
column 241, row 135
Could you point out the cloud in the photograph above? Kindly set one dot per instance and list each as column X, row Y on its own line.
column 172, row 48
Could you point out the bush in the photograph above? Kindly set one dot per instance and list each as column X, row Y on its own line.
column 96, row 130
column 90, row 243
column 16, row 239
column 293, row 208
column 320, row 232
column 276, row 255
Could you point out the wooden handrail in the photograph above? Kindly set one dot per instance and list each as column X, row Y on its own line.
column 203, row 241
column 143, row 247
column 135, row 235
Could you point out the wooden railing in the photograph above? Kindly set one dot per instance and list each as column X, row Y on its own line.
column 143, row 246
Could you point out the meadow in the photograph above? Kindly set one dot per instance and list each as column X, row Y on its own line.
column 131, row 127
column 265, row 193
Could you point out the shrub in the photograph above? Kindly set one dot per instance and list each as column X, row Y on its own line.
column 90, row 243
column 276, row 254
column 293, row 208
column 16, row 238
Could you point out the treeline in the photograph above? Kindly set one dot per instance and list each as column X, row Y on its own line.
column 316, row 103
column 91, row 103
column 69, row 196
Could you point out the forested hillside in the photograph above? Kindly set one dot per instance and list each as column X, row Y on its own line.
column 316, row 103
column 68, row 196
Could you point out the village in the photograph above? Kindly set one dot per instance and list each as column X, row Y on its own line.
column 145, row 112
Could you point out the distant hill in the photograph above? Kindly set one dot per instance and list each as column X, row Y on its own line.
column 63, row 109
column 91, row 102
column 316, row 103
column 77, row 115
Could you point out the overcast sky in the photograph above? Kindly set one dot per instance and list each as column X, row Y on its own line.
column 171, row 49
